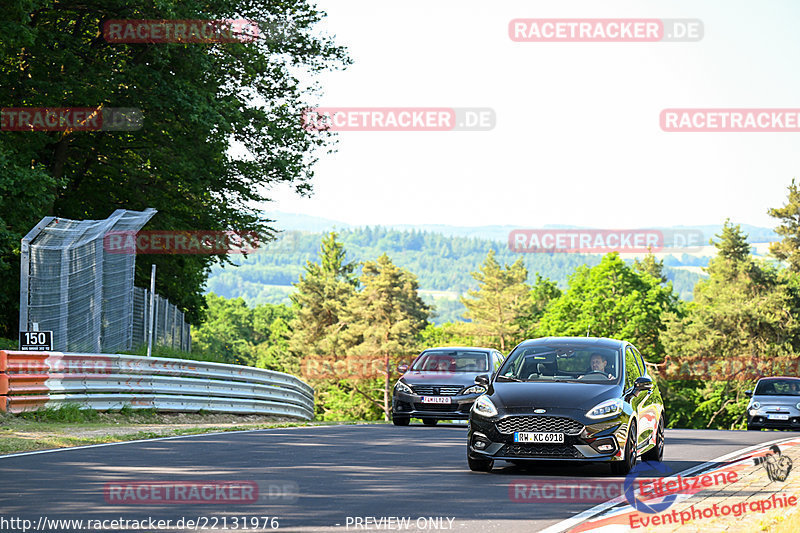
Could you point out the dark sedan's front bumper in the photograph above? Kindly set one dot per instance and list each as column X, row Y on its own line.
column 581, row 442
column 411, row 406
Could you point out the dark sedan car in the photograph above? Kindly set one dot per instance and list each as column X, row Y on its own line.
column 775, row 404
column 440, row 384
column 568, row 398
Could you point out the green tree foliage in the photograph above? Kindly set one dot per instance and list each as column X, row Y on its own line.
column 745, row 310
column 238, row 334
column 198, row 100
column 496, row 308
column 384, row 319
column 543, row 292
column 322, row 293
column 788, row 248
column 612, row 300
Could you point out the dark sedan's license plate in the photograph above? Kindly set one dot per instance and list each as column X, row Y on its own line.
column 539, row 438
column 436, row 399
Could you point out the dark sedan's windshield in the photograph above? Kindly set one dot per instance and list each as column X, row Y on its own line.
column 452, row 361
column 561, row 363
column 778, row 387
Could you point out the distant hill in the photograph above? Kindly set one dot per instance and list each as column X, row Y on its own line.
column 298, row 222
column 442, row 263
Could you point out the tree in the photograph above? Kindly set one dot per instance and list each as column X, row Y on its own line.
column 227, row 330
column 788, row 248
column 650, row 265
column 543, row 292
column 497, row 306
column 322, row 293
column 612, row 300
column 198, row 102
column 384, row 319
column 732, row 244
column 745, row 311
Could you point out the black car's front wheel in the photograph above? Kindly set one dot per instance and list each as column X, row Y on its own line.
column 429, row 421
column 480, row 465
column 622, row 468
column 657, row 453
column 400, row 420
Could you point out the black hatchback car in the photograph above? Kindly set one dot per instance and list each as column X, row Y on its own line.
column 568, row 398
column 440, row 384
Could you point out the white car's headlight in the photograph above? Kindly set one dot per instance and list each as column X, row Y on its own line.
column 402, row 387
column 483, row 406
column 605, row 409
column 475, row 389
column 756, row 405
column 798, row 405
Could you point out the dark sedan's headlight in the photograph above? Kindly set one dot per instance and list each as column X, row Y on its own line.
column 402, row 387
column 605, row 409
column 475, row 389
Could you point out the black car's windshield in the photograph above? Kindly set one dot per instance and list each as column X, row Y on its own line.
column 452, row 361
column 579, row 363
column 778, row 387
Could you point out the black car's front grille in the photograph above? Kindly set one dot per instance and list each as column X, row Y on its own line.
column 437, row 390
column 539, row 424
column 540, row 450
column 445, row 407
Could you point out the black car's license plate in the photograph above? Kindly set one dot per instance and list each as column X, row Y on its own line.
column 539, row 438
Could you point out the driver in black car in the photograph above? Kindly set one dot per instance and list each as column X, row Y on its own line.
column 598, row 363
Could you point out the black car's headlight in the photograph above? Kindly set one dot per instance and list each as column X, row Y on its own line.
column 402, row 387
column 475, row 389
column 605, row 409
column 483, row 406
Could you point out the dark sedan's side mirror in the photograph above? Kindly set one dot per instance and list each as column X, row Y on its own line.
column 642, row 383
column 748, row 393
column 402, row 368
column 483, row 379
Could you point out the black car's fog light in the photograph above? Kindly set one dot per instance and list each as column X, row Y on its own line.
column 479, row 442
column 604, row 445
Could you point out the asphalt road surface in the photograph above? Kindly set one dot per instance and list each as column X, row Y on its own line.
column 314, row 479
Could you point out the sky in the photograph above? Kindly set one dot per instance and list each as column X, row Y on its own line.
column 577, row 138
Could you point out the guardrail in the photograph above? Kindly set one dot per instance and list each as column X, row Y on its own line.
column 35, row 380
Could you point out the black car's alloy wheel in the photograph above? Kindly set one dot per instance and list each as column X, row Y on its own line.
column 657, row 453
column 622, row 468
column 400, row 420
column 429, row 421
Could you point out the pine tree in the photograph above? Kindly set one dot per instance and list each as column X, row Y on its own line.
column 384, row 319
column 650, row 265
column 788, row 248
column 322, row 292
column 496, row 308
column 732, row 244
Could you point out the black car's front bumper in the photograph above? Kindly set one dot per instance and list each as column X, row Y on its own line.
column 582, row 442
column 411, row 406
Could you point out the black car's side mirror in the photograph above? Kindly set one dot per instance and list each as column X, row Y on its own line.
column 402, row 368
column 483, row 379
column 643, row 383
column 748, row 393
